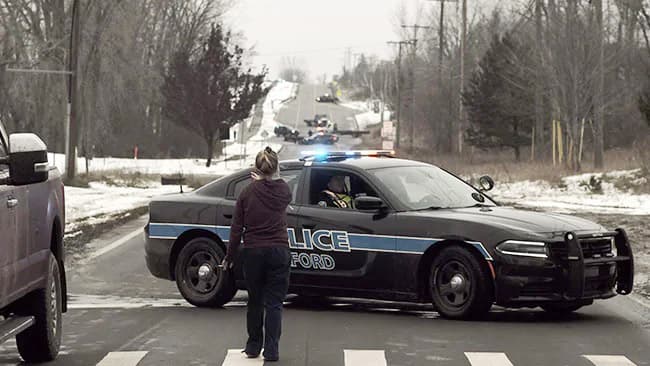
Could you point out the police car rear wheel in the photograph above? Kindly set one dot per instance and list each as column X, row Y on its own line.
column 460, row 287
column 198, row 276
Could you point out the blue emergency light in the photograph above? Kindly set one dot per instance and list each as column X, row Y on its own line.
column 326, row 155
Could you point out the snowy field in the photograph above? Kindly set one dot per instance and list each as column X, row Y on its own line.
column 102, row 202
column 575, row 195
column 367, row 117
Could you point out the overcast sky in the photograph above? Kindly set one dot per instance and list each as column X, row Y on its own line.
column 317, row 32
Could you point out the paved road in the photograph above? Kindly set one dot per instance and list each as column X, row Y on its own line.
column 118, row 307
column 121, row 316
column 305, row 107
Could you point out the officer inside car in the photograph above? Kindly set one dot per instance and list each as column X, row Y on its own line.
column 336, row 194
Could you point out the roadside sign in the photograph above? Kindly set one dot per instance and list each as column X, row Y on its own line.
column 388, row 133
column 387, row 145
column 388, row 125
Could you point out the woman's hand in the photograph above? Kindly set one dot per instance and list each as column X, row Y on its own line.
column 227, row 264
column 256, row 176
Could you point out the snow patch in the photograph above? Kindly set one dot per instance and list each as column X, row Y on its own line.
column 574, row 195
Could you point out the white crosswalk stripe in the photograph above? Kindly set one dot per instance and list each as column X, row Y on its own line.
column 234, row 357
column 354, row 357
column 488, row 359
column 604, row 360
column 122, row 358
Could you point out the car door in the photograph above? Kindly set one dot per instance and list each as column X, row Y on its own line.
column 338, row 248
column 8, row 243
column 226, row 210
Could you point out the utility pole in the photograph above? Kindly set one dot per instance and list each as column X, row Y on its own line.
column 414, row 49
column 398, row 115
column 353, row 68
column 74, row 110
column 538, row 138
column 600, row 87
column 463, row 45
column 441, row 35
column 441, row 56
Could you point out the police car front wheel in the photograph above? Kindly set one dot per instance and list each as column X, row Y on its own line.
column 461, row 288
column 198, row 276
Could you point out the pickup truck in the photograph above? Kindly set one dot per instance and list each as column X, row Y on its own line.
column 32, row 277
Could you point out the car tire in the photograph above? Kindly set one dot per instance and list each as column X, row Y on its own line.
column 562, row 308
column 198, row 276
column 461, row 288
column 42, row 341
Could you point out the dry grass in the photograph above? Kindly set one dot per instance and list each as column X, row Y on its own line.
column 501, row 165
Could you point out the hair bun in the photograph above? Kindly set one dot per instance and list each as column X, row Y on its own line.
column 269, row 150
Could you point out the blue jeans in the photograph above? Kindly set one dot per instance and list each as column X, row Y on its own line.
column 266, row 271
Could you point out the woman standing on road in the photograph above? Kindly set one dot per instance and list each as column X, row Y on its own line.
column 260, row 214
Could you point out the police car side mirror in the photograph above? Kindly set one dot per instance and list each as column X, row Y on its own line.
column 486, row 183
column 369, row 203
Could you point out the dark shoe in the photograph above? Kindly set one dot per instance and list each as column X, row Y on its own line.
column 251, row 355
column 271, row 359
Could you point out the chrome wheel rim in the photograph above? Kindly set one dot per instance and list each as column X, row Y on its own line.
column 54, row 307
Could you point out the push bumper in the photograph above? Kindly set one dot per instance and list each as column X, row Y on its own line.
column 575, row 278
column 157, row 254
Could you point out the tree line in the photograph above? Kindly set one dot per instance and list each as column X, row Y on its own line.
column 559, row 80
column 132, row 56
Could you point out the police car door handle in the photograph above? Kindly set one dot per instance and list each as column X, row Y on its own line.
column 228, row 216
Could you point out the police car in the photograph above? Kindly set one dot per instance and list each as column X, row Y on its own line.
column 413, row 233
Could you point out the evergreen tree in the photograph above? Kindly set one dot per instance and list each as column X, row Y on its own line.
column 500, row 97
column 208, row 90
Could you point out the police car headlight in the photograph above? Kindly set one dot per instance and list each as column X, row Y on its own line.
column 523, row 248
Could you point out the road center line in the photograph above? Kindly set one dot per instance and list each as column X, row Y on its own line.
column 125, row 239
column 601, row 360
column 122, row 358
column 355, row 357
column 234, row 357
column 488, row 359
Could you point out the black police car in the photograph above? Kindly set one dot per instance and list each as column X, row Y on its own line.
column 416, row 233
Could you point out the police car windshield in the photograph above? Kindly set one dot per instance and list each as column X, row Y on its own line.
column 428, row 187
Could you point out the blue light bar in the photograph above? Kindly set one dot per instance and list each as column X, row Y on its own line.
column 324, row 155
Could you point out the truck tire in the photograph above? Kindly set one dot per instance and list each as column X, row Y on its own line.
column 460, row 286
column 41, row 342
column 198, row 276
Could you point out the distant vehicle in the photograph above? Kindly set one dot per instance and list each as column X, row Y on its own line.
column 32, row 276
column 293, row 136
column 281, row 131
column 318, row 119
column 327, row 98
column 413, row 232
column 320, row 139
